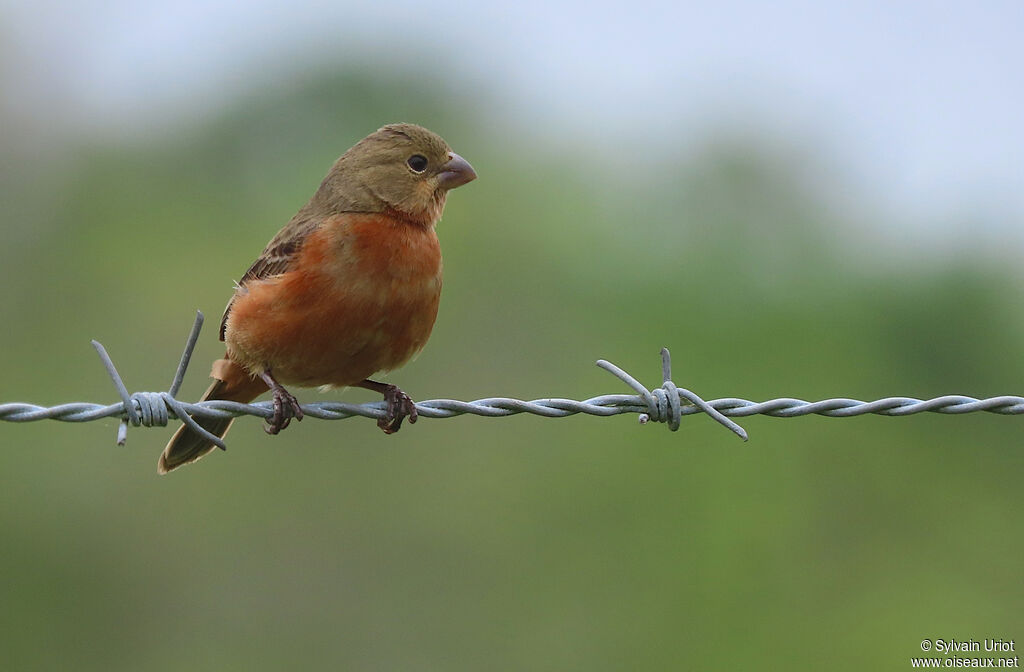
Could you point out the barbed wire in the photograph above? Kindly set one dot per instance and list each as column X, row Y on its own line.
column 666, row 404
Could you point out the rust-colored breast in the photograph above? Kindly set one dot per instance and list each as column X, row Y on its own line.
column 361, row 298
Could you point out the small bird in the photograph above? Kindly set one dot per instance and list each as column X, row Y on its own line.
column 348, row 288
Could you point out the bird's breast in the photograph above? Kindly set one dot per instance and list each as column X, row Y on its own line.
column 361, row 298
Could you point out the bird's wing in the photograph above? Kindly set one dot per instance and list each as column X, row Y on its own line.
column 276, row 257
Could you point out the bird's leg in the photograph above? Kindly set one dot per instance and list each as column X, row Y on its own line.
column 286, row 406
column 399, row 405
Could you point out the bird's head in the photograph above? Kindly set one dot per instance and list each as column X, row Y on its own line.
column 403, row 168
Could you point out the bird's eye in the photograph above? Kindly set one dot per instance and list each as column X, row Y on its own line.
column 417, row 162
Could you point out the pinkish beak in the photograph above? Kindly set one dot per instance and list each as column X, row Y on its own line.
column 456, row 172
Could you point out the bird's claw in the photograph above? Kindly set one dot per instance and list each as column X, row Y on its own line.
column 399, row 406
column 286, row 407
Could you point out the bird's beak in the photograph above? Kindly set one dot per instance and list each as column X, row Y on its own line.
column 456, row 172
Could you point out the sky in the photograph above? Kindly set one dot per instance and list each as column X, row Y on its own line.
column 920, row 102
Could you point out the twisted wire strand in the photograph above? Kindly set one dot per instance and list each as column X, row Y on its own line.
column 666, row 404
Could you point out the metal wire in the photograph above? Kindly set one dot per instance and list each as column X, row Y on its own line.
column 667, row 404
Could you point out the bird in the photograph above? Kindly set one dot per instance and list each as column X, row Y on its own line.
column 347, row 289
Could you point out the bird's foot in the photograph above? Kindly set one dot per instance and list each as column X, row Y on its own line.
column 399, row 406
column 286, row 406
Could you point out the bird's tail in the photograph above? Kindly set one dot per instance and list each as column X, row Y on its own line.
column 231, row 383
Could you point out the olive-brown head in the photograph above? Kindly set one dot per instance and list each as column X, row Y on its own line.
column 401, row 168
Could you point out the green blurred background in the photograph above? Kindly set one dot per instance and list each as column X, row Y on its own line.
column 521, row 543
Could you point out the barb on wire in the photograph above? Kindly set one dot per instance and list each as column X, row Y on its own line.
column 667, row 403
